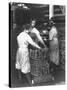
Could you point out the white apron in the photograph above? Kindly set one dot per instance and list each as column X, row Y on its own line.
column 22, row 60
column 22, row 57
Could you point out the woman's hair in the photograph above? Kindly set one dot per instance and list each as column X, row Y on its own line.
column 33, row 19
column 50, row 24
column 27, row 26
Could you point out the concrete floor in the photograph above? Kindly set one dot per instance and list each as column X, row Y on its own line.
column 59, row 79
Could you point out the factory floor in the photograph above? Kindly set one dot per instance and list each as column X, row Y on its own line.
column 59, row 79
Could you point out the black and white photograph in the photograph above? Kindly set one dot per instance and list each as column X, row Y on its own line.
column 36, row 44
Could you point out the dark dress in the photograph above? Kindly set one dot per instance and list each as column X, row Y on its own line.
column 39, row 64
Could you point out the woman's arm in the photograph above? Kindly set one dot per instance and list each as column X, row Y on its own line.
column 37, row 33
column 30, row 41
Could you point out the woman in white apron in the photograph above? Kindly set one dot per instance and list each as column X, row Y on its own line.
column 22, row 57
column 34, row 30
column 54, row 45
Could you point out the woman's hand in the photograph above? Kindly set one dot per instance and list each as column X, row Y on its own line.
column 45, row 46
column 40, row 48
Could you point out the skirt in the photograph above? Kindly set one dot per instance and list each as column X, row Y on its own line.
column 54, row 52
column 22, row 60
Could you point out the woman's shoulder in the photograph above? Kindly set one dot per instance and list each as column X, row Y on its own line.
column 21, row 35
column 35, row 31
column 54, row 28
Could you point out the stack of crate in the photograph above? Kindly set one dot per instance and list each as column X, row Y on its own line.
column 39, row 66
column 36, row 62
column 62, row 54
column 61, row 37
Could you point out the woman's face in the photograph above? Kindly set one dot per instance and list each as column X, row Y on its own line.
column 33, row 23
column 49, row 27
